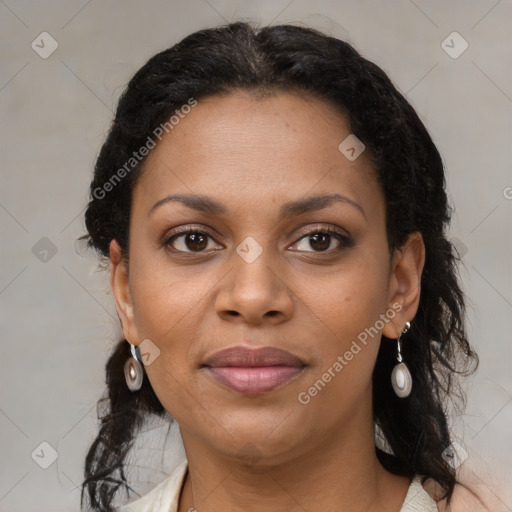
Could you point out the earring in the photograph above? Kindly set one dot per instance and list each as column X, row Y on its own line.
column 401, row 379
column 133, row 371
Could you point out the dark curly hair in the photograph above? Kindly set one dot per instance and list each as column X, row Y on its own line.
column 409, row 169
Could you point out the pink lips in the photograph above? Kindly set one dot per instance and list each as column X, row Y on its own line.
column 253, row 371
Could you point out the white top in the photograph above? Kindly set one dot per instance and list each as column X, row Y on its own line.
column 164, row 497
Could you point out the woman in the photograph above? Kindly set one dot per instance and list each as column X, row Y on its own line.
column 274, row 212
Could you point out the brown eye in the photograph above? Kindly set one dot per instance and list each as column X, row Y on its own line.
column 320, row 240
column 189, row 241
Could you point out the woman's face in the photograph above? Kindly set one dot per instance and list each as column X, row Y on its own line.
column 257, row 276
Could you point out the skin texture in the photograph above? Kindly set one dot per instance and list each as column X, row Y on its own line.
column 253, row 154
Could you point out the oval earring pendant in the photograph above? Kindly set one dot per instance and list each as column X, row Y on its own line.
column 401, row 380
column 133, row 373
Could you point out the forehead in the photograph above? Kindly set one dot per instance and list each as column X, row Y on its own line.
column 255, row 151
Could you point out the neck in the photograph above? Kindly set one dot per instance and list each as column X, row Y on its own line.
column 339, row 472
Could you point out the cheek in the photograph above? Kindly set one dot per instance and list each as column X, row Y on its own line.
column 346, row 315
column 163, row 295
column 347, row 301
column 167, row 311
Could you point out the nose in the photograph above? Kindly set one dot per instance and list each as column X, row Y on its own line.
column 254, row 293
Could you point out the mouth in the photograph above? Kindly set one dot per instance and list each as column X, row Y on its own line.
column 252, row 371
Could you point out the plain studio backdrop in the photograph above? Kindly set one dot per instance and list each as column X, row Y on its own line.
column 63, row 66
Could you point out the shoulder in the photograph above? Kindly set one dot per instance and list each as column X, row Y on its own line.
column 417, row 499
column 467, row 496
column 163, row 497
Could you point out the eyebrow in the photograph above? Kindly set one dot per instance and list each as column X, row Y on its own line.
column 292, row 208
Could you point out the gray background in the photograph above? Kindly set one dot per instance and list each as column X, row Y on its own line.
column 57, row 315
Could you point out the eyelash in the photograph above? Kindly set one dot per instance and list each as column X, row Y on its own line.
column 342, row 238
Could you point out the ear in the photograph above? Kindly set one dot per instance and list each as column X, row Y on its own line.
column 119, row 282
column 405, row 283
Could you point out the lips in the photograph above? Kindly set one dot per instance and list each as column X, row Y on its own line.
column 252, row 357
column 253, row 371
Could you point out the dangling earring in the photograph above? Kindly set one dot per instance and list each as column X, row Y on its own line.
column 133, row 371
column 401, row 379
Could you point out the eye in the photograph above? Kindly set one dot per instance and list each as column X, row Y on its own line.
column 194, row 240
column 189, row 240
column 320, row 240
